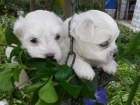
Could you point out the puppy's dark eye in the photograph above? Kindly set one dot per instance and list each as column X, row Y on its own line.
column 105, row 44
column 34, row 40
column 57, row 37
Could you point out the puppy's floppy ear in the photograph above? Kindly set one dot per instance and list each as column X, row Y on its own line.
column 18, row 26
column 84, row 29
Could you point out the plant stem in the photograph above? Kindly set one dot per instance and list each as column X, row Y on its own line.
column 1, row 44
column 71, row 78
column 25, row 82
column 133, row 90
column 24, row 67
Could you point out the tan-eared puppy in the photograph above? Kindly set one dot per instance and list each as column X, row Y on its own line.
column 95, row 33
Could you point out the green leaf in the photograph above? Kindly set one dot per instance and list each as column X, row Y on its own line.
column 137, row 53
column 133, row 90
column 35, row 62
column 128, row 80
column 63, row 72
column 74, row 80
column 86, row 91
column 33, row 87
column 128, row 88
column 16, row 74
column 11, row 38
column 119, row 42
column 44, row 79
column 5, row 81
column 60, row 92
column 71, row 89
column 137, row 97
column 15, row 52
column 128, row 61
column 44, row 72
column 8, row 66
column 92, row 84
column 41, row 102
column 35, row 97
column 135, row 42
column 51, row 63
column 121, row 50
column 47, row 93
column 20, row 57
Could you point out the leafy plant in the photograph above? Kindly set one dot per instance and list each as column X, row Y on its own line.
column 130, row 52
column 118, row 90
column 51, row 5
column 128, row 60
column 87, row 5
column 7, row 21
column 49, row 83
column 41, row 75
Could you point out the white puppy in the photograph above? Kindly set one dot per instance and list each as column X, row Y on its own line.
column 40, row 33
column 95, row 33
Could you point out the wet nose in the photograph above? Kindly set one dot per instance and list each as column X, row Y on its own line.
column 115, row 54
column 50, row 55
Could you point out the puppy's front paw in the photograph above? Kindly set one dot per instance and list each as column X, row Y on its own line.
column 85, row 72
column 110, row 68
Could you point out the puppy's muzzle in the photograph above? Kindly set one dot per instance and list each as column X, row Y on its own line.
column 50, row 55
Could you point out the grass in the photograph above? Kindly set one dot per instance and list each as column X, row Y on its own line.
column 2, row 48
column 119, row 90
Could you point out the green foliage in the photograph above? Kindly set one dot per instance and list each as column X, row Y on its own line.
column 130, row 52
column 12, row 6
column 133, row 90
column 58, row 78
column 7, row 21
column 71, row 89
column 11, row 38
column 49, row 83
column 5, row 80
column 6, row 76
column 128, row 60
column 118, row 90
column 51, row 5
column 85, row 5
column 49, row 96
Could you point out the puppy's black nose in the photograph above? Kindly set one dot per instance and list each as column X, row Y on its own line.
column 50, row 55
column 115, row 54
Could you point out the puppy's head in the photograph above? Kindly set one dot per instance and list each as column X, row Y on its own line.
column 40, row 33
column 95, row 33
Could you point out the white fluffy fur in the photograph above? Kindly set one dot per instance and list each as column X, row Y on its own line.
column 91, row 29
column 43, row 26
column 4, row 102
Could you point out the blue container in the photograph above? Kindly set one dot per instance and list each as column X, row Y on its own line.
column 110, row 4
